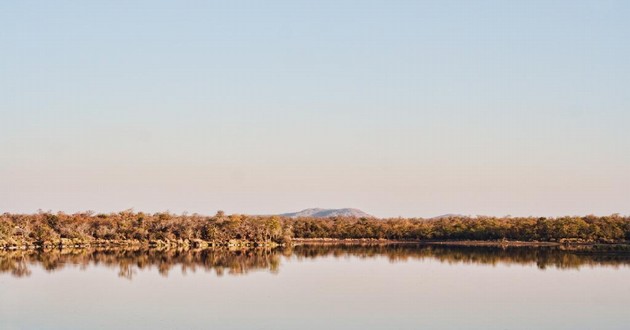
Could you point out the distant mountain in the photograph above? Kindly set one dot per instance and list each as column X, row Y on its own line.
column 325, row 213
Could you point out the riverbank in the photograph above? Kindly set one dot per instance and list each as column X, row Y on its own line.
column 200, row 244
column 500, row 243
column 152, row 244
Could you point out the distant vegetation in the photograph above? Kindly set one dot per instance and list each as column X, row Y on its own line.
column 166, row 229
column 605, row 229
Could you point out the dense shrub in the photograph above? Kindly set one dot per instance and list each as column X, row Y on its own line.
column 45, row 228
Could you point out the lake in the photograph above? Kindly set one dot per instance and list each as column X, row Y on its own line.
column 396, row 286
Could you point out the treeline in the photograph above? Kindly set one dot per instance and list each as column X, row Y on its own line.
column 590, row 228
column 46, row 229
column 135, row 228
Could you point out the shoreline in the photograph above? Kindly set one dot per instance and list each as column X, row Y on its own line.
column 137, row 244
column 234, row 244
column 333, row 241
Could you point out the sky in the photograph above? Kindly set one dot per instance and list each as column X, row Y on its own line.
column 398, row 108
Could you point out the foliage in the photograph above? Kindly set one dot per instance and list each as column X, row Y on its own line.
column 590, row 228
column 47, row 229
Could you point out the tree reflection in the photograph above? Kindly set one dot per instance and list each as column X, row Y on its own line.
column 238, row 262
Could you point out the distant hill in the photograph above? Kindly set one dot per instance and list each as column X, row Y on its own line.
column 325, row 213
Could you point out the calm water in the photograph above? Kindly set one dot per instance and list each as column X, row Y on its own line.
column 317, row 287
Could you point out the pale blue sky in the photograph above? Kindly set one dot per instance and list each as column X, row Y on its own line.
column 412, row 108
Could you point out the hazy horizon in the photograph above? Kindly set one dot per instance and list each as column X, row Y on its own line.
column 283, row 213
column 411, row 109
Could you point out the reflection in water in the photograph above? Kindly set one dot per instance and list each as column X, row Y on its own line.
column 234, row 262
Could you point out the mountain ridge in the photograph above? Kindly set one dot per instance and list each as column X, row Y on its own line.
column 327, row 213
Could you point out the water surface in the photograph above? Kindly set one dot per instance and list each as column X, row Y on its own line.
column 404, row 286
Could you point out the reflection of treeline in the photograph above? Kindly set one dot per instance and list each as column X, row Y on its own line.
column 233, row 262
column 128, row 261
column 166, row 229
column 563, row 257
